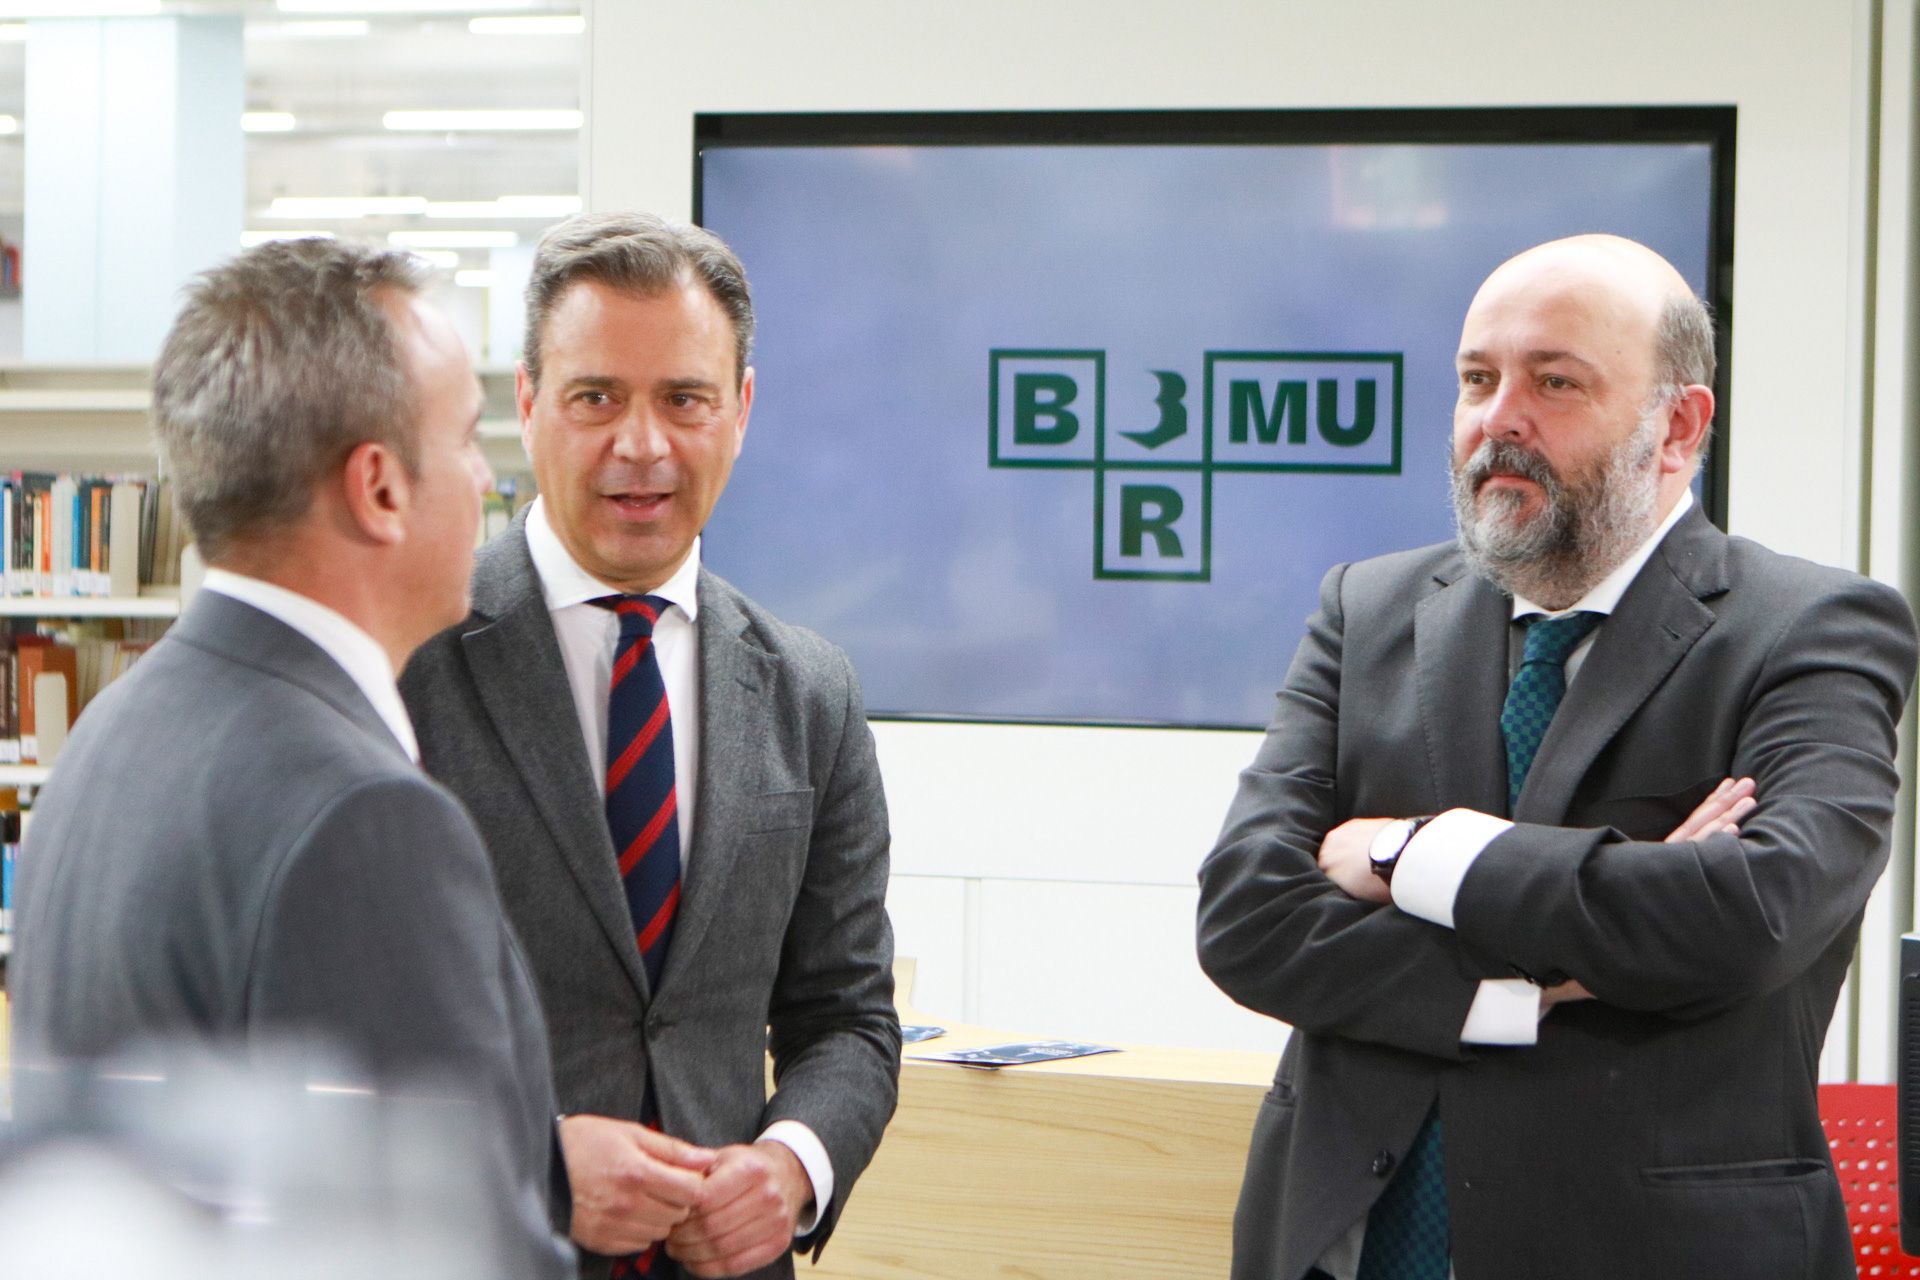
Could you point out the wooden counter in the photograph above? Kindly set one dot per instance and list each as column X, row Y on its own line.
column 1122, row 1165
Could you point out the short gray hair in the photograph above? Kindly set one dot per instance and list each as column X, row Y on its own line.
column 1683, row 345
column 638, row 253
column 280, row 363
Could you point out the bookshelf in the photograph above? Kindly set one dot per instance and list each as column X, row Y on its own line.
column 143, row 606
column 93, row 418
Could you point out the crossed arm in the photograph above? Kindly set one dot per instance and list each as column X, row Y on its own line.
column 1675, row 929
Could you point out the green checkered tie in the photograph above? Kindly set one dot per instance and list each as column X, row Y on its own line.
column 1537, row 689
column 1407, row 1236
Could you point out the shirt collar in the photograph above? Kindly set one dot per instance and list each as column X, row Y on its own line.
column 563, row 583
column 1605, row 596
column 366, row 663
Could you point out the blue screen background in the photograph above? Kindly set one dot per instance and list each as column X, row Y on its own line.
column 863, row 505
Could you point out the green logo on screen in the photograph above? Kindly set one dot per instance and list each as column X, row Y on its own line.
column 1260, row 412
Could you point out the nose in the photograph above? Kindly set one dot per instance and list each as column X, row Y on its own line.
column 639, row 436
column 1506, row 414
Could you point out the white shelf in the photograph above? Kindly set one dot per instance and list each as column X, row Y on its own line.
column 24, row 775
column 89, row 607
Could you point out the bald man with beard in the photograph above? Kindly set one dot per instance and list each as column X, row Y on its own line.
column 1555, row 853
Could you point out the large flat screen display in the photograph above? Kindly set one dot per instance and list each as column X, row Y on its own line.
column 1063, row 418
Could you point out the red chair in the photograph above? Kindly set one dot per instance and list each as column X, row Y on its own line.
column 1859, row 1120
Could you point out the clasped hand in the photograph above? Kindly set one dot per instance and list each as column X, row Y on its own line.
column 721, row 1211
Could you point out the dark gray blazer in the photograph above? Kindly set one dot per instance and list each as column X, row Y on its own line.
column 782, row 922
column 235, row 849
column 1669, row 1127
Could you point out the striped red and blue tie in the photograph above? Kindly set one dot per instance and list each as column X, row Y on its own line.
column 642, row 809
column 643, row 818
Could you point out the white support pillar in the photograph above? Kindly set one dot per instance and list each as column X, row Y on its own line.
column 134, row 177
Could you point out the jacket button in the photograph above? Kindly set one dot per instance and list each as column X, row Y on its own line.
column 1382, row 1164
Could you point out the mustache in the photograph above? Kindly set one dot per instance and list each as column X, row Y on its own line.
column 1498, row 457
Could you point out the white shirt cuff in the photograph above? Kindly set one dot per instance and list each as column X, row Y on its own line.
column 1505, row 1011
column 1427, row 878
column 812, row 1154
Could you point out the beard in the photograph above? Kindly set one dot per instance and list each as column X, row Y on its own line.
column 1582, row 527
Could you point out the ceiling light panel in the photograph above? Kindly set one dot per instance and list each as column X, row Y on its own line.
column 400, row 6
column 79, row 8
column 319, row 29
column 505, row 207
column 453, row 239
column 266, row 121
column 555, row 24
column 346, row 206
column 499, row 121
column 248, row 239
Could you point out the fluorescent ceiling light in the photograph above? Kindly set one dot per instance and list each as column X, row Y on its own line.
column 445, row 121
column 78, row 8
column 248, row 239
column 473, row 279
column 266, row 121
column 445, row 259
column 345, row 206
column 399, row 6
column 321, row 29
column 548, row 24
column 453, row 239
column 9, row 124
column 505, row 207
column 13, row 32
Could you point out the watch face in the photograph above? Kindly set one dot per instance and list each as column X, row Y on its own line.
column 1389, row 841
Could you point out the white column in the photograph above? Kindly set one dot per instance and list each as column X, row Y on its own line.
column 134, row 177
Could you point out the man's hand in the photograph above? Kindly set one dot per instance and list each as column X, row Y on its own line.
column 631, row 1185
column 1343, row 856
column 1719, row 813
column 747, row 1211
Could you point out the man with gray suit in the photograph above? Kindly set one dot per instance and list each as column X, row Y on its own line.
column 679, row 791
column 237, row 847
column 1570, row 1025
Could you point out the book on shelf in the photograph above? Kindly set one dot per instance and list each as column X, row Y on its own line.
column 72, row 535
column 50, row 673
column 10, row 830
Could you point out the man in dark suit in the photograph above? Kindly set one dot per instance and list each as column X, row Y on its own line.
column 237, row 846
column 1569, row 1027
column 679, row 791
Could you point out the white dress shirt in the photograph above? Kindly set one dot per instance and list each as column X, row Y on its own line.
column 366, row 663
column 1505, row 1010
column 588, row 635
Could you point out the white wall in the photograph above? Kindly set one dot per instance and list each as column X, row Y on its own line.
column 1072, row 910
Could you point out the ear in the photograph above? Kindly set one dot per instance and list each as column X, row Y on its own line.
column 377, row 493
column 746, row 407
column 1687, row 422
column 523, row 399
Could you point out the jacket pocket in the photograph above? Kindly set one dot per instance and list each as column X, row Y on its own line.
column 779, row 811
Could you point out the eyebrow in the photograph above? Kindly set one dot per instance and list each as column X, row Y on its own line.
column 1538, row 356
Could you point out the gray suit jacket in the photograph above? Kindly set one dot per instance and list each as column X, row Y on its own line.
column 235, row 849
column 1668, row 1127
column 782, row 922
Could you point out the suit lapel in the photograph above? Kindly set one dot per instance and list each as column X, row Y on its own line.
column 1460, row 647
column 1656, row 622
column 736, row 723
column 515, row 662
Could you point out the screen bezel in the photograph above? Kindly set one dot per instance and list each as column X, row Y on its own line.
column 1713, row 126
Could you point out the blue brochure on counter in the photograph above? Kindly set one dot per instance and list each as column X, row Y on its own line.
column 1016, row 1054
column 913, row 1034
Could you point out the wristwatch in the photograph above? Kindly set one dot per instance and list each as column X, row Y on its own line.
column 1390, row 842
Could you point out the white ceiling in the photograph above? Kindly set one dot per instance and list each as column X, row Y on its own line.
column 338, row 88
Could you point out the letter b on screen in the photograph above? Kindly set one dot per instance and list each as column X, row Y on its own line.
column 1045, row 408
